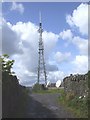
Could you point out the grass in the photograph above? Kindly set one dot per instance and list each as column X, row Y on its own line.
column 73, row 103
column 48, row 91
column 42, row 89
column 79, row 107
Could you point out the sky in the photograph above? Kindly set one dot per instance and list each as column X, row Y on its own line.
column 65, row 37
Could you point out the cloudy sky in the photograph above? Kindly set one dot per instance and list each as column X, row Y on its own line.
column 65, row 37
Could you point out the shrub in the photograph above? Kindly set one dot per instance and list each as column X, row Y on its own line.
column 37, row 87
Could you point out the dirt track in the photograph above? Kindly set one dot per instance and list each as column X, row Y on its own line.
column 46, row 106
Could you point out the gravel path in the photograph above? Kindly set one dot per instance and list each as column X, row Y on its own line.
column 46, row 106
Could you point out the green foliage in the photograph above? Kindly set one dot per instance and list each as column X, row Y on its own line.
column 42, row 90
column 6, row 63
column 79, row 106
column 5, row 55
column 62, row 97
column 14, row 96
column 37, row 87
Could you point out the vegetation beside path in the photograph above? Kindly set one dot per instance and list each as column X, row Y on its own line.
column 76, row 104
column 41, row 90
column 14, row 96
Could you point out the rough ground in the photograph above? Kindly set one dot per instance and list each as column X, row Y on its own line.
column 46, row 106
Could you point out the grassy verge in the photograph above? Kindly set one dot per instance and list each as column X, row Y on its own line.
column 48, row 91
column 78, row 106
column 42, row 89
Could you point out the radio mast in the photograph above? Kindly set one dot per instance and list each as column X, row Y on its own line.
column 41, row 62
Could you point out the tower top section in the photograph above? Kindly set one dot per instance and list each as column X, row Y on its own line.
column 41, row 62
column 40, row 17
column 40, row 23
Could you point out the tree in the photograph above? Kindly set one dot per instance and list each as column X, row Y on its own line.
column 6, row 64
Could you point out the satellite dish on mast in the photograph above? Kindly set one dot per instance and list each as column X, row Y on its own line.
column 48, row 82
column 58, row 83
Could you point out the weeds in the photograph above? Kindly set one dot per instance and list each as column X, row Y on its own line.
column 79, row 106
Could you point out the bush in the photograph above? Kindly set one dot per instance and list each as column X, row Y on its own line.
column 79, row 106
column 14, row 96
column 39, row 87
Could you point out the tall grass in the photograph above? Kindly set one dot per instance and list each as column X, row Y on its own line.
column 79, row 106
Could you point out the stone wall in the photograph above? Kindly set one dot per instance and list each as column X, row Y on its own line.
column 78, row 84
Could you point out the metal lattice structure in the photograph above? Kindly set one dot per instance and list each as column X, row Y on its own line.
column 41, row 61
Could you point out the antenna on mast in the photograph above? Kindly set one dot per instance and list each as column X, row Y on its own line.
column 40, row 16
column 41, row 62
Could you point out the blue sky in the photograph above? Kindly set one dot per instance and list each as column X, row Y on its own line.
column 53, row 14
column 65, row 36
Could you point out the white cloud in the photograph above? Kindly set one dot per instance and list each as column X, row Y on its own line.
column 0, row 30
column 50, row 39
column 26, row 63
column 81, row 44
column 10, row 40
column 25, row 36
column 56, row 75
column 61, row 57
column 79, row 18
column 29, row 39
column 18, row 7
column 66, row 35
column 80, row 64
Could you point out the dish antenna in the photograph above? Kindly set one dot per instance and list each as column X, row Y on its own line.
column 48, row 82
column 58, row 83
